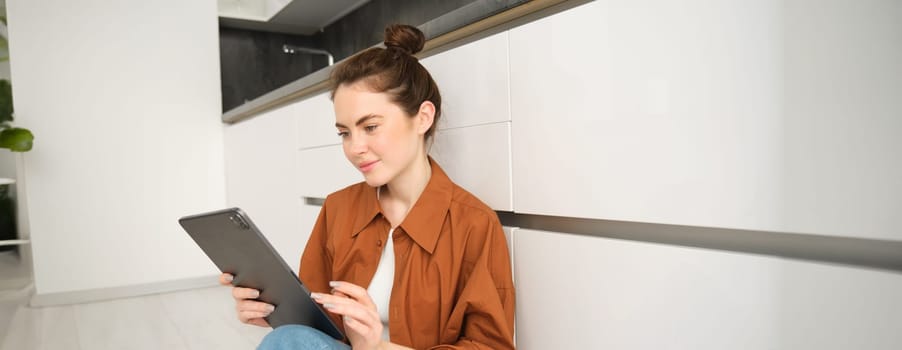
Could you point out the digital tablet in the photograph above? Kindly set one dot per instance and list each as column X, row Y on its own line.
column 236, row 246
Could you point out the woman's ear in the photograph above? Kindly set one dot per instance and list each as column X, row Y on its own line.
column 425, row 117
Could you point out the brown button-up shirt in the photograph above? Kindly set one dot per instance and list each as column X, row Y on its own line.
column 453, row 287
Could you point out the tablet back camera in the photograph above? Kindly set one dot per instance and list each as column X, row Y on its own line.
column 239, row 221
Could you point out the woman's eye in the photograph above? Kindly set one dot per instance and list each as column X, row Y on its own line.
column 370, row 128
column 342, row 134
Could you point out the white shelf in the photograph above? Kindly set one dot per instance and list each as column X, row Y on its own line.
column 14, row 242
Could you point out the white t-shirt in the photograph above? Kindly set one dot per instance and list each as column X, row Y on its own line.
column 381, row 285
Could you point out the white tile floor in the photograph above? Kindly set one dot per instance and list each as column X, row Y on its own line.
column 194, row 319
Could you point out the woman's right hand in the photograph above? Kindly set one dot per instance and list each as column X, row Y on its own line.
column 249, row 310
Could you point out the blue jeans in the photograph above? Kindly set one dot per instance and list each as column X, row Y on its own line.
column 297, row 337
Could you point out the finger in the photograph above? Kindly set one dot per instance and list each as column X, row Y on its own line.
column 373, row 332
column 343, row 306
column 246, row 316
column 356, row 329
column 353, row 325
column 323, row 298
column 333, row 299
column 245, row 293
column 351, row 308
column 258, row 322
column 357, row 326
column 226, row 279
column 354, row 291
column 251, row 305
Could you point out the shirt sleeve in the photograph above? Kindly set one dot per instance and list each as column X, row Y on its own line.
column 487, row 297
column 316, row 261
column 315, row 271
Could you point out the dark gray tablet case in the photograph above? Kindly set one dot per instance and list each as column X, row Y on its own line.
column 236, row 246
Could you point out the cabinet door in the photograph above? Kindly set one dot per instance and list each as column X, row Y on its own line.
column 261, row 177
column 324, row 170
column 580, row 292
column 316, row 122
column 735, row 114
column 473, row 80
column 478, row 159
column 509, row 233
column 664, row 113
column 306, row 216
column 842, row 118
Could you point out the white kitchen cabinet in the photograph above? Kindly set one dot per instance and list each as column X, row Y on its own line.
column 324, row 170
column 581, row 292
column 473, row 81
column 842, row 118
column 261, row 177
column 509, row 233
column 708, row 113
column 316, row 122
column 652, row 114
column 306, row 216
column 478, row 159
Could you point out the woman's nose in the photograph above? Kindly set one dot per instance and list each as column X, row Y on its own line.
column 358, row 145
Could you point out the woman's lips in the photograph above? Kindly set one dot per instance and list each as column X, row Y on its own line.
column 366, row 167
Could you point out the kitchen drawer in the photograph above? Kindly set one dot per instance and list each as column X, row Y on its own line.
column 478, row 159
column 474, row 82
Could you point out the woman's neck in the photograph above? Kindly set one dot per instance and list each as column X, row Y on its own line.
column 399, row 195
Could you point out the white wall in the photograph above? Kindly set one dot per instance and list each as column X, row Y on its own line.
column 124, row 100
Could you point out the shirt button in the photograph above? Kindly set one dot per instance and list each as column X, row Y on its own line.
column 379, row 243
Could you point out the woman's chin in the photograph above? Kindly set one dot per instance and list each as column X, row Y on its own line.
column 373, row 181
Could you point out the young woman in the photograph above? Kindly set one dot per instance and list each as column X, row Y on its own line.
column 405, row 259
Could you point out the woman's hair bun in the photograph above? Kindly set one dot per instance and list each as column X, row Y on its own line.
column 403, row 37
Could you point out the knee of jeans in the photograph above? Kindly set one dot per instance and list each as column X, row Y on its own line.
column 292, row 337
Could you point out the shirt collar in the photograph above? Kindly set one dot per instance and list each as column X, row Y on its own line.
column 424, row 221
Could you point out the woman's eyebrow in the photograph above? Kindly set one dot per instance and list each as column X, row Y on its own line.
column 359, row 121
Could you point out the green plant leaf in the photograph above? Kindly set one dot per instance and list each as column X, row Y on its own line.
column 4, row 49
column 16, row 139
column 6, row 101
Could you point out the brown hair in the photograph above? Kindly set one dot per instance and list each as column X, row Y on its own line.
column 394, row 70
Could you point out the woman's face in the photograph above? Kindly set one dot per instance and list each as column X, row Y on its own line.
column 378, row 137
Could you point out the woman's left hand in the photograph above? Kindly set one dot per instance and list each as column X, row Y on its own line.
column 357, row 310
